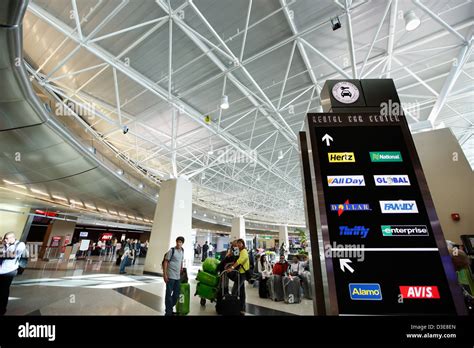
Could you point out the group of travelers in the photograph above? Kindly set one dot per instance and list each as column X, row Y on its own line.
column 204, row 251
column 128, row 254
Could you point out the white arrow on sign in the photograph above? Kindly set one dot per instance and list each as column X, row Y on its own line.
column 344, row 264
column 327, row 138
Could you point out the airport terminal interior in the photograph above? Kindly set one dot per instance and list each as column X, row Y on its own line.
column 125, row 124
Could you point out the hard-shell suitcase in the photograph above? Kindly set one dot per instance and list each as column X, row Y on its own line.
column 182, row 307
column 263, row 288
column 307, row 290
column 207, row 278
column 228, row 304
column 291, row 289
column 206, row 291
column 210, row 265
column 275, row 288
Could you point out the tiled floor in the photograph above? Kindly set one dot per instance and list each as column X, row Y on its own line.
column 94, row 287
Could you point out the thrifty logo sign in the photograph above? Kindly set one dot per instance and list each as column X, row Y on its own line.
column 357, row 231
column 341, row 157
column 386, row 156
column 342, row 180
column 398, row 207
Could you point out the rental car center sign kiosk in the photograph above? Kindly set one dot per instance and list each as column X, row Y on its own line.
column 367, row 200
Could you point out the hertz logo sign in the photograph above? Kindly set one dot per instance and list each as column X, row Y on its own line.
column 341, row 157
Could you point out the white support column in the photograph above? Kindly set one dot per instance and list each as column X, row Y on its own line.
column 173, row 217
column 283, row 237
column 238, row 228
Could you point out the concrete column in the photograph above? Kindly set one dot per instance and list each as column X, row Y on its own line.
column 238, row 228
column 283, row 237
column 173, row 217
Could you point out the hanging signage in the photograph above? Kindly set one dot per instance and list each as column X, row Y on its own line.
column 381, row 236
column 106, row 236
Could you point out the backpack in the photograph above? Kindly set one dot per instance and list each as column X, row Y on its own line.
column 184, row 272
column 164, row 257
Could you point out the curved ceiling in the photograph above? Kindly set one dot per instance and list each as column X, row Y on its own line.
column 161, row 71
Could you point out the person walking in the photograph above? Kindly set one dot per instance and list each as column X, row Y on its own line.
column 9, row 261
column 205, row 248
column 242, row 265
column 127, row 255
column 138, row 247
column 210, row 250
column 172, row 267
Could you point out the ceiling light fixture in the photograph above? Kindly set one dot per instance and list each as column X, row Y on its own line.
column 224, row 102
column 141, row 186
column 40, row 192
column 411, row 20
column 335, row 23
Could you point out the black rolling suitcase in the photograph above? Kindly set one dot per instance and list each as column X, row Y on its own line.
column 227, row 304
column 263, row 288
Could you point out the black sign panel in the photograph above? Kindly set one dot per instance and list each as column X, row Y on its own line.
column 382, row 241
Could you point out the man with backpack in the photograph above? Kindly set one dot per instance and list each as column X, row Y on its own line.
column 9, row 260
column 172, row 266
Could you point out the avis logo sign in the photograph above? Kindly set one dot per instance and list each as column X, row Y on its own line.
column 419, row 292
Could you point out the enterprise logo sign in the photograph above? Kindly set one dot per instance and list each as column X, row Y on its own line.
column 341, row 180
column 404, row 230
column 419, row 292
column 365, row 291
column 391, row 180
column 398, row 207
column 341, row 208
column 341, row 157
column 386, row 156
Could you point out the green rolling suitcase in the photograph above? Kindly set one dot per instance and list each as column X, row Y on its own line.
column 207, row 278
column 182, row 307
column 206, row 291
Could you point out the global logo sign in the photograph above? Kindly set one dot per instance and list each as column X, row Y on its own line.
column 419, row 292
column 391, row 180
column 346, row 206
column 365, row 292
column 398, row 207
column 342, row 180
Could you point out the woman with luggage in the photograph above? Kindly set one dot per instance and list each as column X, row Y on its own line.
column 264, row 268
column 241, row 265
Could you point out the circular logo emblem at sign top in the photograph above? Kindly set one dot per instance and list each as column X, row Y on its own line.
column 345, row 92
